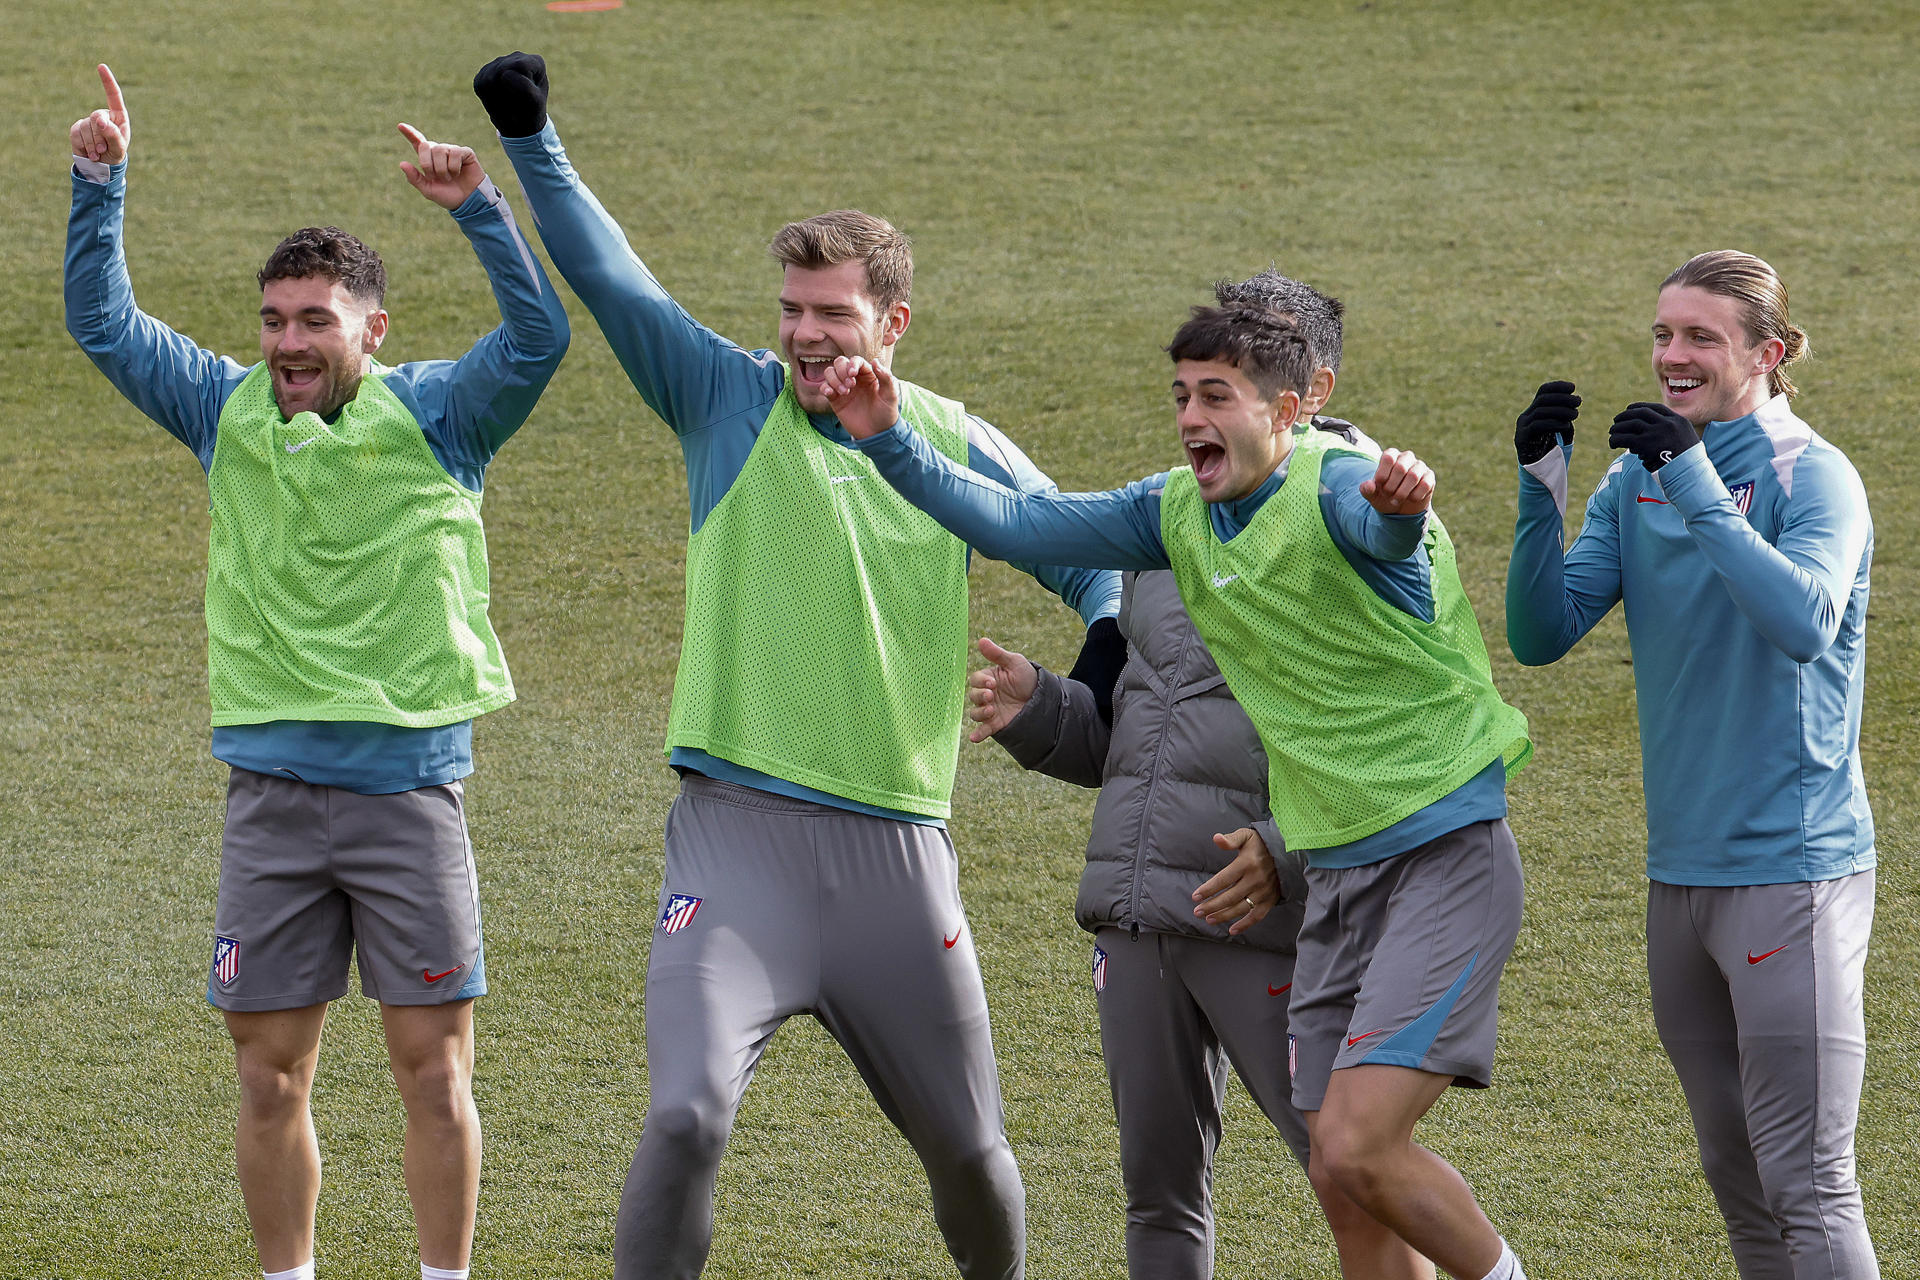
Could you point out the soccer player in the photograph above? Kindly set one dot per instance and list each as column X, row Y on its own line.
column 1739, row 542
column 815, row 722
column 348, row 652
column 1331, row 601
column 1187, row 978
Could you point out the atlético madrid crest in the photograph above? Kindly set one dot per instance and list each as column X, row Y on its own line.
column 1742, row 495
column 1099, row 970
column 226, row 960
column 679, row 913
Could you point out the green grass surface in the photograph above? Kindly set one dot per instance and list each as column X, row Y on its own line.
column 1494, row 188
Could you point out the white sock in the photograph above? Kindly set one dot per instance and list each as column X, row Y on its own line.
column 442, row 1273
column 302, row 1272
column 1508, row 1267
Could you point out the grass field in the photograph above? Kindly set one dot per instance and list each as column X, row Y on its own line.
column 1493, row 188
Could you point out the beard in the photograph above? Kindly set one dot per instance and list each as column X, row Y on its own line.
column 334, row 387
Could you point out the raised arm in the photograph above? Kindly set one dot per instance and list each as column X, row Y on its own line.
column 685, row 372
column 1119, row 529
column 164, row 374
column 1092, row 593
column 471, row 406
column 1555, row 596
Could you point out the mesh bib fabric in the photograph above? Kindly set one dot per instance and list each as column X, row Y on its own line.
column 1368, row 714
column 826, row 632
column 346, row 570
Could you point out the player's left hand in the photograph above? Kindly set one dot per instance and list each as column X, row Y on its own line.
column 1653, row 433
column 1245, row 889
column 863, row 396
column 446, row 174
column 1402, row 485
column 513, row 89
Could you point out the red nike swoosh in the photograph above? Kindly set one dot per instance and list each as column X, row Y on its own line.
column 1754, row 959
column 1354, row 1040
column 950, row 941
column 1277, row 991
column 1644, row 498
column 435, row 977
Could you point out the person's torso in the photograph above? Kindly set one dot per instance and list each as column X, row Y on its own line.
column 346, row 571
column 826, row 621
column 1183, row 762
column 1750, row 759
column 1369, row 714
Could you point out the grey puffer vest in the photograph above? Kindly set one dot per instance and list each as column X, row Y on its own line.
column 1181, row 762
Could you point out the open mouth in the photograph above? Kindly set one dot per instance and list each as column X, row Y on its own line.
column 812, row 370
column 1209, row 460
column 298, row 377
column 1677, row 388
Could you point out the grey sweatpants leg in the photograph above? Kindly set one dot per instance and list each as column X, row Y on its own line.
column 1757, row 998
column 1173, row 1012
column 803, row 908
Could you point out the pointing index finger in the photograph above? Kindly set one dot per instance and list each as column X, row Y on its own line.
column 116, row 102
column 414, row 136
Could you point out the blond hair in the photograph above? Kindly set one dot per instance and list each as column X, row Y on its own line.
column 846, row 235
column 1762, row 296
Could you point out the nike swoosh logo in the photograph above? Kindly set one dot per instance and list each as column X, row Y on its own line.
column 295, row 448
column 1754, row 959
column 950, row 941
column 1280, row 991
column 435, row 977
column 1354, row 1040
column 1659, row 502
column 1219, row 581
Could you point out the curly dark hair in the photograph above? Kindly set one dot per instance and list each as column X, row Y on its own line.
column 1317, row 314
column 1265, row 345
column 331, row 253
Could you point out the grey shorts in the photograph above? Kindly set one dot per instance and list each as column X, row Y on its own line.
column 311, row 875
column 1400, row 961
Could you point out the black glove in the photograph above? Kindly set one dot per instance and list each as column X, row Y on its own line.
column 1099, row 663
column 1545, row 422
column 513, row 89
column 1654, row 433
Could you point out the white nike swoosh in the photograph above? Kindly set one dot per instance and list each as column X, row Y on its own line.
column 845, row 479
column 295, row 448
column 1219, row 581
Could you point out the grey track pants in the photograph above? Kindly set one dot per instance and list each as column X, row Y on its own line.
column 1173, row 1012
column 1757, row 998
column 857, row 920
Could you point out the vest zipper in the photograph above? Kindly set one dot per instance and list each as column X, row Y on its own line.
column 1153, row 781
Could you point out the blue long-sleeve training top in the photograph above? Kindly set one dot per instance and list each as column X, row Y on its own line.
column 1743, row 567
column 466, row 408
column 1121, row 529
column 715, row 396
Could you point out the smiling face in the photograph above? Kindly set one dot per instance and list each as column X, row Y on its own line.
column 1234, row 437
column 1709, row 369
column 827, row 312
column 317, row 340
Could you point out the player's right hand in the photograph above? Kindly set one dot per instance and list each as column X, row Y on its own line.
column 996, row 694
column 863, row 396
column 1242, row 893
column 104, row 135
column 446, row 173
column 513, row 89
column 1546, row 423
